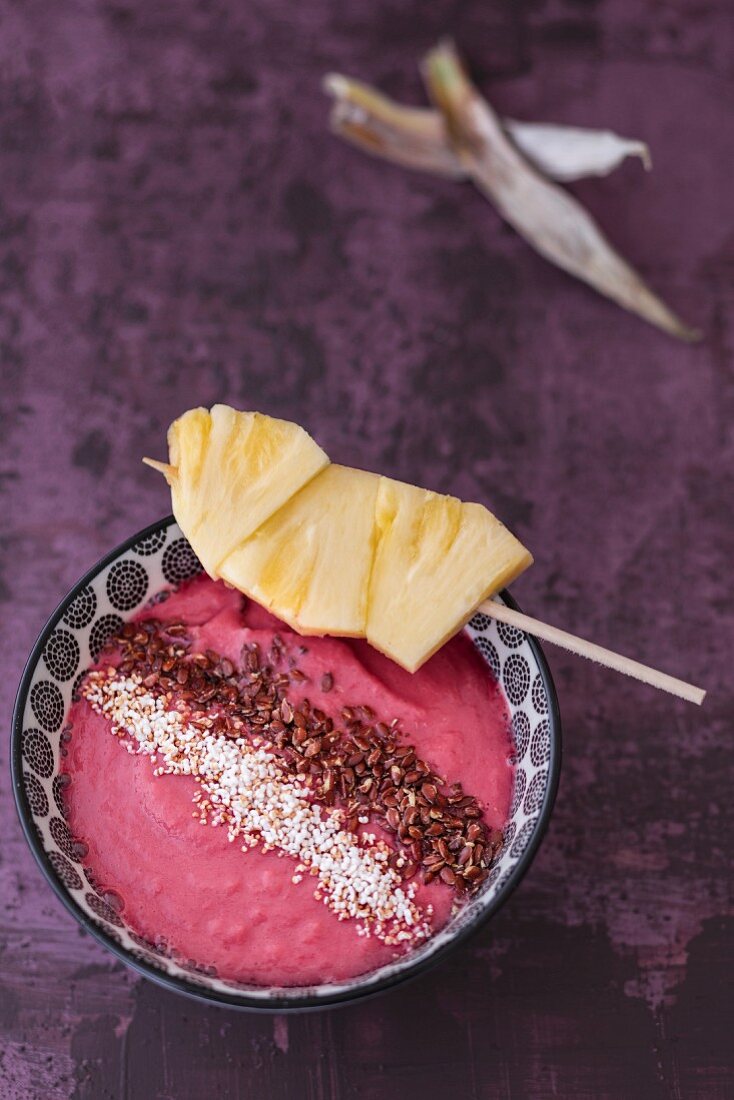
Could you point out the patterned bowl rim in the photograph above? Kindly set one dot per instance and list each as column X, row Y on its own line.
column 241, row 1000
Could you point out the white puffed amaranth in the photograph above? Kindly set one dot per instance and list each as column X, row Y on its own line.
column 246, row 788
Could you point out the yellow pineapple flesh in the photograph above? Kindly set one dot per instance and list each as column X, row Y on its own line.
column 329, row 549
column 310, row 562
column 230, row 471
column 436, row 560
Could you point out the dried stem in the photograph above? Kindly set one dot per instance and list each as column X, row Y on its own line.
column 410, row 136
column 550, row 219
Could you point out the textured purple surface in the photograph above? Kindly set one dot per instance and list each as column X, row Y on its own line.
column 177, row 227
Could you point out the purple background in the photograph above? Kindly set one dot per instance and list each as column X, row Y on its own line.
column 178, row 227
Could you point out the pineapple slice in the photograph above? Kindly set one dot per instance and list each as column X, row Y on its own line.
column 230, row 471
column 436, row 560
column 329, row 549
column 310, row 563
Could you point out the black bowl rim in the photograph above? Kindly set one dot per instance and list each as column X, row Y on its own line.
column 243, row 1001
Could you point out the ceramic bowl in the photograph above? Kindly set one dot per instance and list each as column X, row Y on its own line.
column 118, row 586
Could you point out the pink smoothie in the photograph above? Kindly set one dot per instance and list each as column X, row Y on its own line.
column 239, row 911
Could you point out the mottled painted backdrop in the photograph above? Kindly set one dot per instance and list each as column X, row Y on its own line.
column 178, row 227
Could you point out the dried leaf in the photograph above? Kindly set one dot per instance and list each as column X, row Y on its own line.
column 411, row 136
column 568, row 153
column 550, row 219
column 416, row 137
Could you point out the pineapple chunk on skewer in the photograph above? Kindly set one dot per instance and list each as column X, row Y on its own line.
column 230, row 471
column 329, row 549
column 436, row 560
column 310, row 562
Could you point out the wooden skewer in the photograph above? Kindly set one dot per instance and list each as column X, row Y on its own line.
column 555, row 636
column 593, row 652
column 162, row 467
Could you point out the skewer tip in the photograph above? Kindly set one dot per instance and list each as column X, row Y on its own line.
column 162, row 468
column 606, row 657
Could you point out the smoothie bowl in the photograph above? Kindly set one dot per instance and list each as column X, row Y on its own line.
column 264, row 820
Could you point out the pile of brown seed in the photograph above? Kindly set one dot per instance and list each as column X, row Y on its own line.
column 364, row 767
column 440, row 828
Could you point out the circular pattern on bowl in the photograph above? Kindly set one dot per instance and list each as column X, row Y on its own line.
column 521, row 782
column 127, row 583
column 66, row 871
column 73, row 849
column 62, row 654
column 489, row 652
column 540, row 744
column 180, row 563
column 75, row 696
column 36, row 795
column 151, row 544
column 138, row 575
column 510, row 635
column 101, row 632
column 521, row 733
column 522, row 838
column 102, row 910
column 516, row 678
column 80, row 611
column 534, row 795
column 37, row 752
column 508, row 838
column 47, row 705
column 60, row 782
column 540, row 695
column 148, row 945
